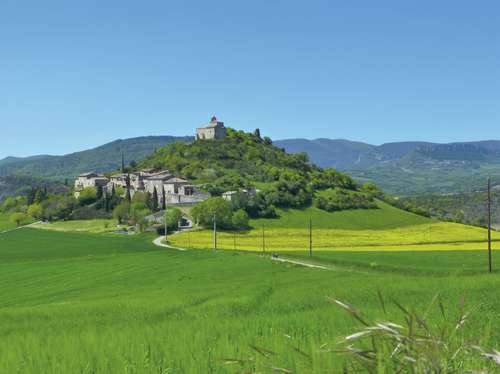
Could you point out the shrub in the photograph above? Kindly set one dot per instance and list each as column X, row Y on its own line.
column 87, row 196
column 337, row 199
column 35, row 210
column 217, row 207
column 18, row 218
column 173, row 216
column 240, row 219
column 86, row 212
column 122, row 212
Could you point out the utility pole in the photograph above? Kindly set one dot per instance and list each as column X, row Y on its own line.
column 215, row 233
column 166, row 226
column 310, row 238
column 263, row 240
column 234, row 241
column 489, row 225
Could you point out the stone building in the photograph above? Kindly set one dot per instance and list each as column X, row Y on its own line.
column 214, row 130
column 176, row 190
column 90, row 180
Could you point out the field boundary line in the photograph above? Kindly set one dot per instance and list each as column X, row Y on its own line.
column 301, row 263
column 20, row 227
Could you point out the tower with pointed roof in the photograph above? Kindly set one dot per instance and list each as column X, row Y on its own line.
column 214, row 130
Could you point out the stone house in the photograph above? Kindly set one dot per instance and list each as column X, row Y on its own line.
column 242, row 195
column 214, row 130
column 90, row 180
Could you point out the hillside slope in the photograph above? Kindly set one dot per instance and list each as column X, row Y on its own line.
column 405, row 168
column 104, row 158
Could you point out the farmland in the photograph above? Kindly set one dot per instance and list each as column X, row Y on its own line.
column 386, row 228
column 103, row 303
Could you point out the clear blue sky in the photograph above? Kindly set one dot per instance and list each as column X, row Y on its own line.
column 76, row 74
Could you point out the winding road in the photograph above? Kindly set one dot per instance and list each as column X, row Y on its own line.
column 159, row 242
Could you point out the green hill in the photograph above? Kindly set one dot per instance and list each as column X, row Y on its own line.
column 104, row 158
column 384, row 229
column 406, row 168
column 386, row 217
column 248, row 161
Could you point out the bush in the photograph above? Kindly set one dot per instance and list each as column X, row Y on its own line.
column 204, row 212
column 87, row 196
column 18, row 218
column 240, row 219
column 334, row 200
column 173, row 216
column 259, row 207
column 86, row 212
column 35, row 211
column 122, row 212
column 58, row 207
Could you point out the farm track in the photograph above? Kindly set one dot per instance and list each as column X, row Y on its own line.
column 158, row 242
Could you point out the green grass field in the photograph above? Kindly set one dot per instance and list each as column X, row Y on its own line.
column 5, row 224
column 103, row 303
column 381, row 229
column 95, row 226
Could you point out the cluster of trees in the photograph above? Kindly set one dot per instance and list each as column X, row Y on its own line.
column 39, row 204
column 246, row 160
column 468, row 208
column 225, row 214
column 339, row 199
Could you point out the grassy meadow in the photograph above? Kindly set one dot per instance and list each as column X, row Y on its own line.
column 5, row 223
column 104, row 303
column 386, row 228
column 95, row 226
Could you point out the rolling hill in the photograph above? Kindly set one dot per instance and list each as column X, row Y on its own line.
column 406, row 168
column 104, row 158
column 20, row 173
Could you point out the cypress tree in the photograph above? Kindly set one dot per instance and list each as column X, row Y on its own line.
column 149, row 200
column 155, row 200
column 99, row 192
column 31, row 195
column 123, row 163
column 106, row 202
column 129, row 196
column 164, row 199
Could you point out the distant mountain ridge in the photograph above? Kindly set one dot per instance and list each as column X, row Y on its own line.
column 401, row 168
column 101, row 159
column 407, row 167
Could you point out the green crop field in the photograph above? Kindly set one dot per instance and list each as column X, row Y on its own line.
column 104, row 303
column 386, row 228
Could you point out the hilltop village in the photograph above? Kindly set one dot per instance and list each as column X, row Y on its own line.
column 168, row 188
